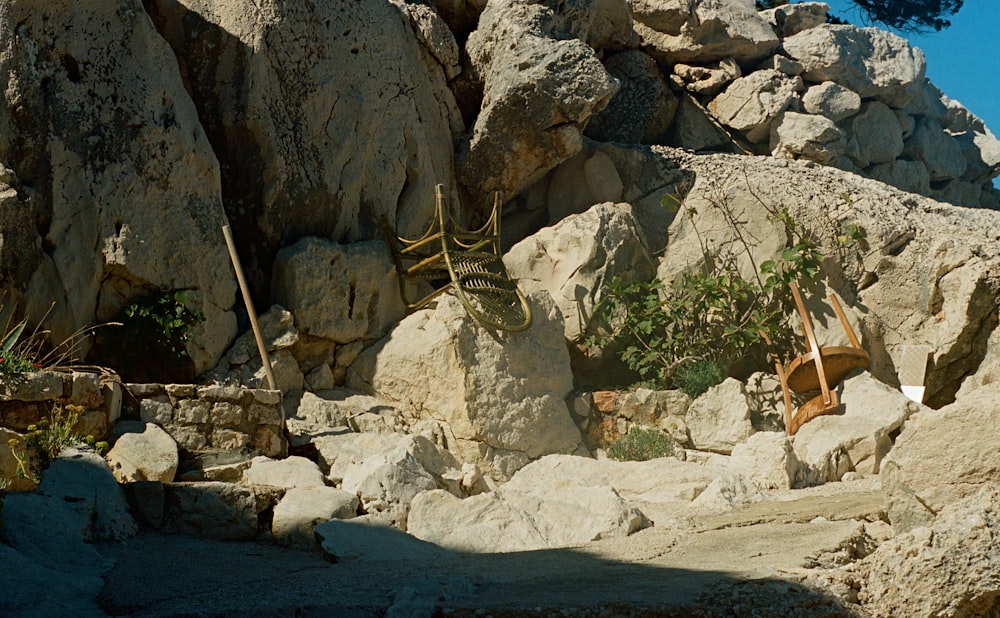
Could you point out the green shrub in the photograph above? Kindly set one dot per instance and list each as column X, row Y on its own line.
column 641, row 444
column 697, row 376
column 36, row 449
column 706, row 320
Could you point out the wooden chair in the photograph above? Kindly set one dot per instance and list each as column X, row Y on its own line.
column 820, row 368
column 468, row 261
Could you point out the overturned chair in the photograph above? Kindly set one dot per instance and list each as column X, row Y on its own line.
column 820, row 368
column 468, row 261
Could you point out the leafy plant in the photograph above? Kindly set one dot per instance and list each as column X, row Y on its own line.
column 641, row 444
column 150, row 345
column 166, row 319
column 697, row 376
column 11, row 360
column 22, row 351
column 36, row 449
column 705, row 322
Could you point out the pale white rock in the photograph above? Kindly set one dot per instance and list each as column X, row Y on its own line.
column 707, row 80
column 642, row 109
column 926, row 471
column 126, row 152
column 753, row 101
column 301, row 508
column 575, row 258
column 948, row 568
column 875, row 135
column 306, row 159
column 386, row 470
column 368, row 539
column 519, row 52
column 242, row 363
column 585, row 179
column 781, row 64
column 831, row 100
column 941, row 152
column 702, row 32
column 329, row 412
column 535, row 510
column 338, row 292
column 287, row 473
column 910, row 176
column 793, row 18
column 147, row 456
column 500, row 396
column 727, row 491
column 858, row 437
column 768, row 459
column 720, row 418
column 806, row 136
column 871, row 62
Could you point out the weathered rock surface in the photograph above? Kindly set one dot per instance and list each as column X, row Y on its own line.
column 386, row 471
column 534, row 510
column 831, row 100
column 702, row 32
column 301, row 508
column 210, row 510
column 860, row 437
column 499, row 396
column 720, row 418
column 519, row 51
column 106, row 146
column 368, row 540
column 149, row 455
column 311, row 415
column 948, row 568
column 752, row 102
column 574, row 259
column 871, row 62
column 285, row 473
column 289, row 93
column 805, row 136
column 769, row 460
column 923, row 475
column 339, row 293
column 241, row 365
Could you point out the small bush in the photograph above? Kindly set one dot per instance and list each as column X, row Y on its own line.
column 641, row 444
column 36, row 449
column 697, row 376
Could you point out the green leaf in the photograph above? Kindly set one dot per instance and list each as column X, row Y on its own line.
column 12, row 337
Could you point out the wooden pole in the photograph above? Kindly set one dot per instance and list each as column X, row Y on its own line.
column 261, row 348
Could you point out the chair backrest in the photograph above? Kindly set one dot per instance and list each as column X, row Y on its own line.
column 467, row 261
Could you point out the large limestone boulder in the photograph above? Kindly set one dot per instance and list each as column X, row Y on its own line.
column 286, row 473
column 752, row 102
column 533, row 111
column 150, row 455
column 499, row 396
column 949, row 568
column 309, row 107
column 575, row 258
column 769, row 460
column 242, row 364
column 876, row 135
column 534, row 510
column 338, row 293
column 805, row 136
column 302, row 508
column 719, row 419
column 386, row 471
column 793, row 18
column 702, row 32
column 330, row 412
column 106, row 146
column 871, row 62
column 831, row 100
column 858, row 438
column 943, row 456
